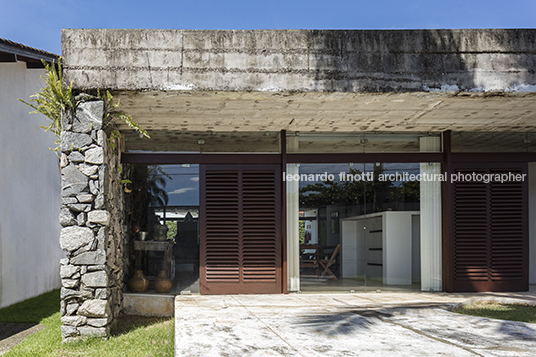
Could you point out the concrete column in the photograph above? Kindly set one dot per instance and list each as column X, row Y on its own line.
column 293, row 229
column 431, row 261
column 92, row 233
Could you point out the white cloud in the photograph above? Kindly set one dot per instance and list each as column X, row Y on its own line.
column 194, row 179
column 182, row 190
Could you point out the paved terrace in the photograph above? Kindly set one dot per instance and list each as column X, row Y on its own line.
column 368, row 324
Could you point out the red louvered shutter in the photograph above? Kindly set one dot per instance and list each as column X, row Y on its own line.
column 490, row 231
column 240, row 229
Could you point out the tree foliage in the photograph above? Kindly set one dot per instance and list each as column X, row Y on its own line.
column 156, row 186
column 375, row 192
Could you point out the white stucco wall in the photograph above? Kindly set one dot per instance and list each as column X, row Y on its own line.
column 29, row 191
column 532, row 222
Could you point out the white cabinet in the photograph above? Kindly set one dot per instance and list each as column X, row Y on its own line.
column 380, row 246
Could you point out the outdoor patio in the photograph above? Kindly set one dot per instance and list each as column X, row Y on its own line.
column 368, row 324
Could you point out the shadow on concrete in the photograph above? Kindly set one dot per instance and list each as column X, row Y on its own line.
column 8, row 329
column 350, row 320
column 517, row 330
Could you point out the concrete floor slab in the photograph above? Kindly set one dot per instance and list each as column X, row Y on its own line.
column 368, row 324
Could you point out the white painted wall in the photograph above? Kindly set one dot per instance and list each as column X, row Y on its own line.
column 532, row 222
column 29, row 191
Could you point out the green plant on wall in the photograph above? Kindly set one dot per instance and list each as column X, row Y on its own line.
column 112, row 112
column 55, row 98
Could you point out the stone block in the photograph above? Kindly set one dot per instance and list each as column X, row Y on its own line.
column 99, row 216
column 102, row 293
column 95, row 156
column 80, row 207
column 68, row 331
column 73, row 320
column 90, row 258
column 66, row 271
column 72, row 238
column 95, row 308
column 96, row 267
column 70, row 141
column 95, row 279
column 88, row 117
column 70, row 283
column 73, row 181
column 99, row 201
column 87, row 331
column 100, row 322
column 72, row 308
column 67, row 218
column 94, row 186
column 81, row 219
column 85, row 198
column 64, row 261
column 76, row 157
column 71, row 293
column 101, row 136
column 68, row 200
column 101, row 238
column 88, row 170
column 66, row 119
column 63, row 311
column 63, row 160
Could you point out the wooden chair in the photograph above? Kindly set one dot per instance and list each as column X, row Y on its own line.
column 310, row 260
column 327, row 263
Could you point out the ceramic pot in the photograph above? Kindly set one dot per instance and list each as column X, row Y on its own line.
column 162, row 283
column 160, row 232
column 138, row 283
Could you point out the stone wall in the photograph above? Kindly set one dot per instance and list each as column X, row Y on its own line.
column 92, row 218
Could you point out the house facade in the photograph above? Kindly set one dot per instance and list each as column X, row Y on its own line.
column 29, row 181
column 297, row 160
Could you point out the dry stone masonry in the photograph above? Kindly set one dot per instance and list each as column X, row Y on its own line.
column 92, row 218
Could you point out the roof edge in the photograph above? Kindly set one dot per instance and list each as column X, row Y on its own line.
column 26, row 53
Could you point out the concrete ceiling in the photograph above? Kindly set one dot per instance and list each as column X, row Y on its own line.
column 173, row 116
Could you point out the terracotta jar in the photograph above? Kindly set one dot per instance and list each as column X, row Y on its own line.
column 162, row 284
column 138, row 283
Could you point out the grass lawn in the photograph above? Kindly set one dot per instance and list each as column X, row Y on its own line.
column 32, row 310
column 496, row 310
column 132, row 336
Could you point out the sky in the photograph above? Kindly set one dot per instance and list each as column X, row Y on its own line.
column 38, row 23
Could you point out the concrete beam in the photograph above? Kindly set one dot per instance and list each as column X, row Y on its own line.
column 301, row 60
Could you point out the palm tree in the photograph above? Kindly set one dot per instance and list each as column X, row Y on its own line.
column 156, row 186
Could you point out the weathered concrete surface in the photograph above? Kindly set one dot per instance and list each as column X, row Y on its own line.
column 343, row 325
column 301, row 60
column 177, row 119
column 148, row 304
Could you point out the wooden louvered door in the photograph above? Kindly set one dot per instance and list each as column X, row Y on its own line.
column 490, row 231
column 240, row 229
